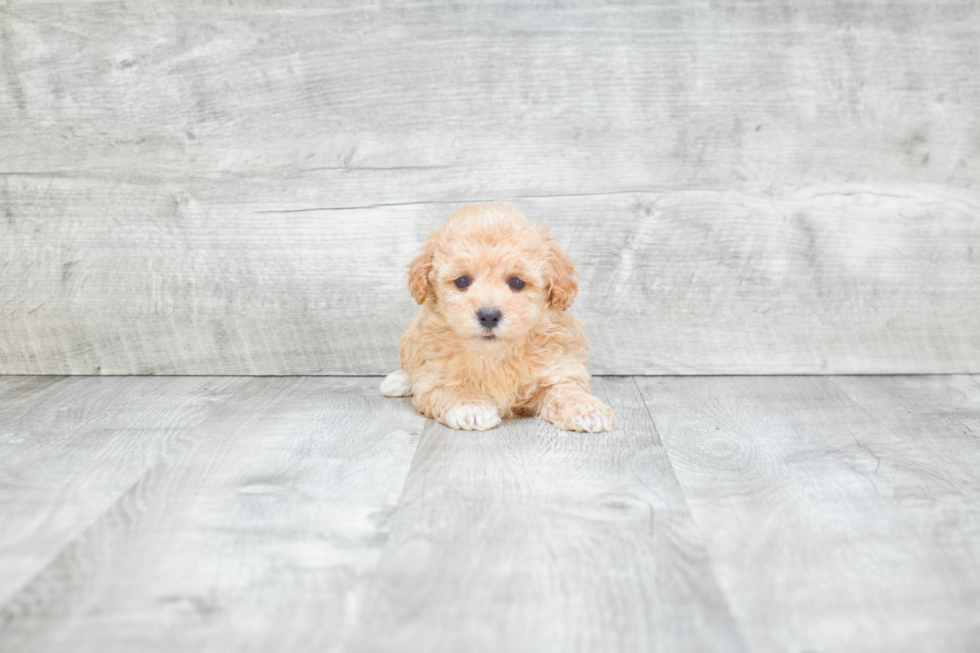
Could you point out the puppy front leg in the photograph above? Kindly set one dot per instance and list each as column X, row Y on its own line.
column 458, row 409
column 570, row 407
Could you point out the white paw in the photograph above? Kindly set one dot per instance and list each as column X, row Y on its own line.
column 472, row 417
column 588, row 414
column 396, row 384
column 595, row 420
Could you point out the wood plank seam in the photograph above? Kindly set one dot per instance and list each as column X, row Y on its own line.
column 94, row 520
column 45, row 597
column 371, row 585
column 714, row 572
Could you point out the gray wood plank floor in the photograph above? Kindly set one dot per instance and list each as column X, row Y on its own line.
column 310, row 513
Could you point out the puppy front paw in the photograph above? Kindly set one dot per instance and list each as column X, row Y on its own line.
column 585, row 413
column 396, row 384
column 472, row 417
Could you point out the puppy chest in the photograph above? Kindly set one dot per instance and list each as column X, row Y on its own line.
column 510, row 384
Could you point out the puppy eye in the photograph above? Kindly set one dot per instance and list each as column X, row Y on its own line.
column 515, row 284
column 463, row 283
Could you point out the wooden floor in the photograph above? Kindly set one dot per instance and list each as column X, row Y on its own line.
column 311, row 513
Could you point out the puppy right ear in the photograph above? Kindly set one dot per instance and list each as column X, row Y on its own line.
column 418, row 274
column 562, row 284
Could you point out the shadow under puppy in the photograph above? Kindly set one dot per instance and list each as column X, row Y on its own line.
column 494, row 337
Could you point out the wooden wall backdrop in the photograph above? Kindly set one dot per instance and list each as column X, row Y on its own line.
column 233, row 188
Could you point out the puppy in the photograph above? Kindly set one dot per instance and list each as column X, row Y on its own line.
column 494, row 337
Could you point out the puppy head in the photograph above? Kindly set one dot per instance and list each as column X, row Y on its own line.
column 492, row 274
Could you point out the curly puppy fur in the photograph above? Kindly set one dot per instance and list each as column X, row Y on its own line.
column 493, row 337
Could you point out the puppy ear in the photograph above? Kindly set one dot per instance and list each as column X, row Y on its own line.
column 563, row 283
column 418, row 274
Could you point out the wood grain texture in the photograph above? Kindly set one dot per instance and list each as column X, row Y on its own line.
column 526, row 538
column 191, row 188
column 295, row 514
column 254, row 537
column 198, row 281
column 478, row 99
column 70, row 448
column 834, row 523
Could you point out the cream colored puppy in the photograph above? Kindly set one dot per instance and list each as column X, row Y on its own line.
column 494, row 337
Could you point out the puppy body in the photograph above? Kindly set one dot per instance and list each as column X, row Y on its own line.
column 493, row 337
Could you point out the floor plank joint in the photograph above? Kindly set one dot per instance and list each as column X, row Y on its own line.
column 724, row 513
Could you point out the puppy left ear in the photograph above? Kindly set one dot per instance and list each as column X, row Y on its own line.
column 563, row 283
column 418, row 274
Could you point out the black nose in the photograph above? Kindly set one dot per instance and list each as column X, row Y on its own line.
column 488, row 317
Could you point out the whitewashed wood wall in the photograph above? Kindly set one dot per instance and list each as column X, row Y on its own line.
column 224, row 188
